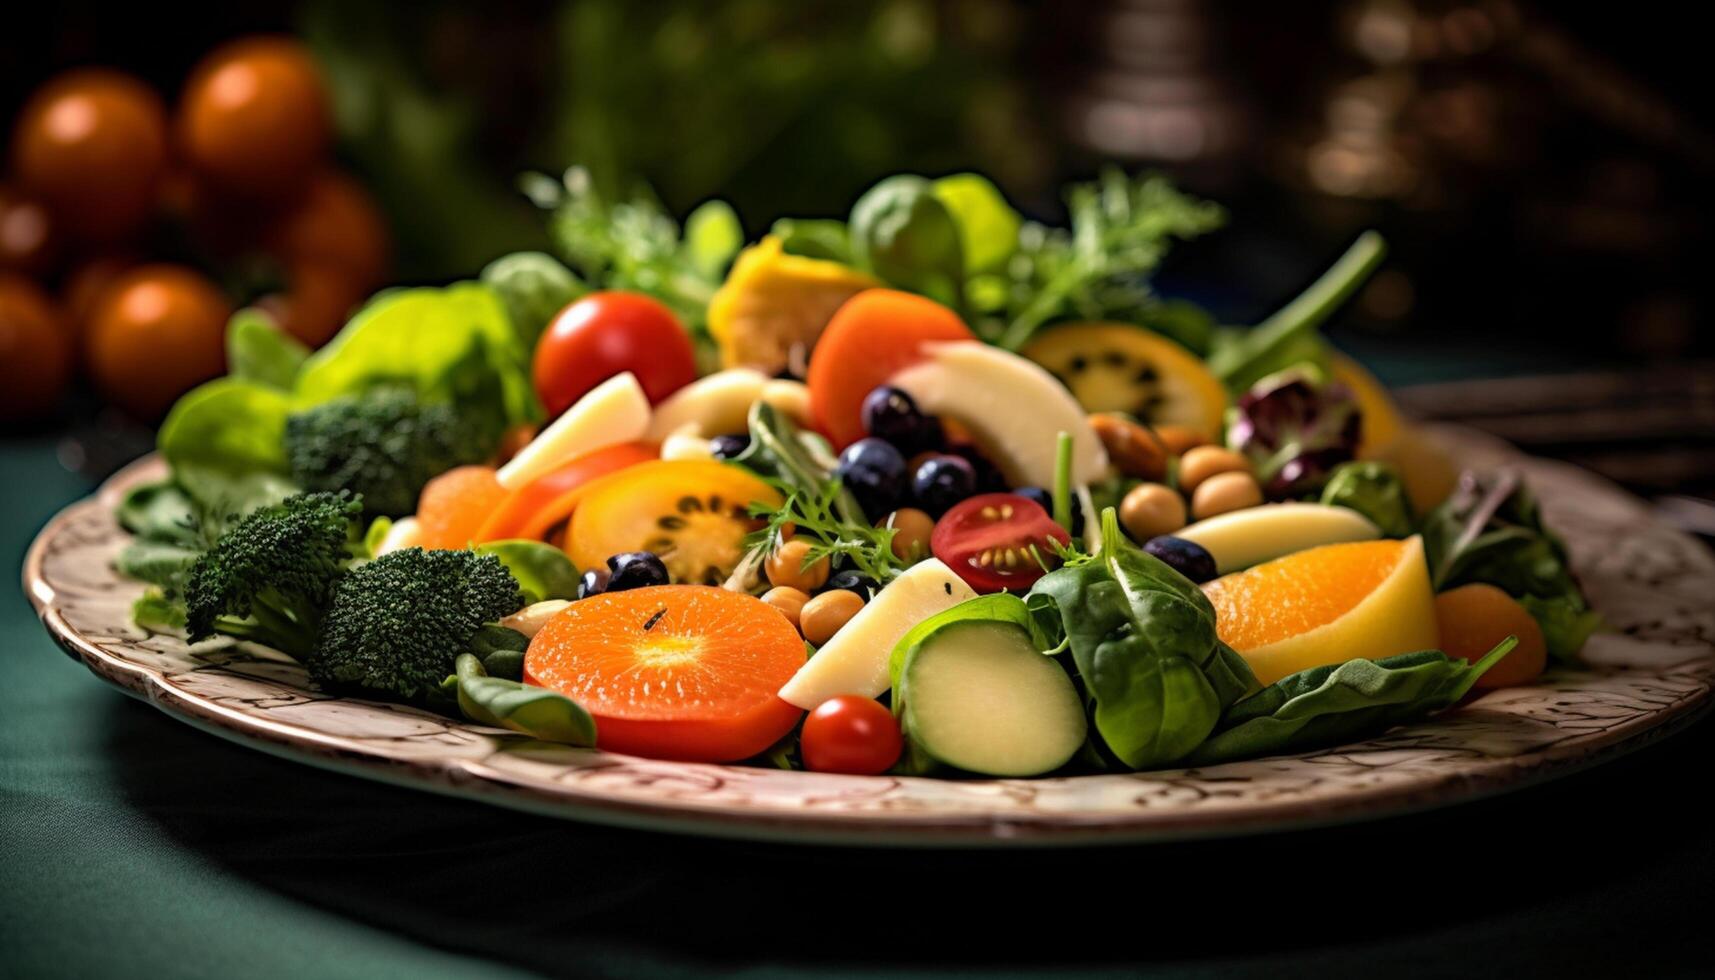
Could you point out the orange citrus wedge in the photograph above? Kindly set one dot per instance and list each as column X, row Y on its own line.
column 1327, row 605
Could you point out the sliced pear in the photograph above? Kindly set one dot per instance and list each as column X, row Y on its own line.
column 1013, row 408
column 612, row 412
column 715, row 405
column 855, row 661
column 1242, row 538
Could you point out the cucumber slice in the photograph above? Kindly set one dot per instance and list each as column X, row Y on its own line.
column 976, row 695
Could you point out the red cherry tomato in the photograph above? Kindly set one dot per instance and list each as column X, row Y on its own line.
column 605, row 334
column 851, row 734
column 987, row 541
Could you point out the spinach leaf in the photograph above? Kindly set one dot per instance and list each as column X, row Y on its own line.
column 816, row 238
column 1143, row 639
column 260, row 351
column 1374, row 490
column 501, row 651
column 534, row 286
column 1491, row 530
column 228, row 425
column 1341, row 703
column 905, row 235
column 542, row 570
column 156, row 563
column 160, row 512
column 534, row 711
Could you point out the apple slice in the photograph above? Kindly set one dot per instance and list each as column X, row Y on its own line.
column 1242, row 538
column 855, row 661
column 612, row 412
column 1014, row 409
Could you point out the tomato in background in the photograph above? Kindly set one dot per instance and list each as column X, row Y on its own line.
column 608, row 333
column 873, row 336
column 987, row 540
column 334, row 224
column 315, row 303
column 35, row 353
column 255, row 120
column 29, row 238
column 84, row 286
column 92, row 144
column 851, row 734
column 155, row 333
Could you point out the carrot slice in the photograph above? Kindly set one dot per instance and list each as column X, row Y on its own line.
column 683, row 672
column 535, row 509
column 454, row 505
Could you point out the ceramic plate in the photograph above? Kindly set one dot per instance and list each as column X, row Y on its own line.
column 1652, row 675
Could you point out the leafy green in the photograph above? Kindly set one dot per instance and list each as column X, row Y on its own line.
column 988, row 226
column 816, row 238
column 534, row 711
column 501, row 651
column 156, row 611
column 1565, row 621
column 903, row 233
column 1374, row 490
column 1343, row 702
column 534, row 286
column 713, row 235
column 542, row 570
column 786, row 455
column 1289, row 338
column 157, row 563
column 229, row 426
column 1143, row 639
column 160, row 511
column 257, row 350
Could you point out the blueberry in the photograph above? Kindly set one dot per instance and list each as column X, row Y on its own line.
column 989, row 477
column 942, row 481
column 634, row 570
column 1042, row 498
column 729, row 446
column 874, row 472
column 594, row 582
column 852, row 580
column 1187, row 558
column 889, row 413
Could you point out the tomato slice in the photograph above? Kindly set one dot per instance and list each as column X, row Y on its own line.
column 673, row 671
column 694, row 513
column 871, row 337
column 987, row 541
column 535, row 509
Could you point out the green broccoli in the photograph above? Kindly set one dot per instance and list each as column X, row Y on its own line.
column 383, row 445
column 271, row 575
column 398, row 624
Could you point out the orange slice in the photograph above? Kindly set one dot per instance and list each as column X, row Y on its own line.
column 1327, row 605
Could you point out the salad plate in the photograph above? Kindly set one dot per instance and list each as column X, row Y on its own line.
column 1648, row 674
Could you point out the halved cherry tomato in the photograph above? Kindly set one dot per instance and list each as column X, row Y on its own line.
column 851, row 734
column 609, row 333
column 996, row 541
column 534, row 510
column 691, row 512
column 673, row 671
column 871, row 337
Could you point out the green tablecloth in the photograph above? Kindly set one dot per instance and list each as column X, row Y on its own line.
column 132, row 845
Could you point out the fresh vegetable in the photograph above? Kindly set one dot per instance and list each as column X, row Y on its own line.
column 35, row 350
column 855, row 661
column 255, row 118
column 676, row 671
column 693, row 513
column 537, row 508
column 797, row 564
column 1294, row 432
column 397, row 625
column 1120, row 367
column 1316, row 607
column 826, row 614
column 257, row 350
column 1491, row 530
column 606, row 334
column 535, row 287
column 1225, row 493
column 457, row 505
column 1143, row 640
column 542, row 571
column 613, row 412
column 988, row 226
column 1342, row 702
column 1188, row 558
column 850, row 734
column 155, row 333
column 534, row 711
column 384, row 445
column 1374, row 490
column 903, row 233
column 774, row 306
column 998, row 541
column 1474, row 618
column 1252, row 536
column 870, row 338
column 1150, row 510
column 1012, row 408
column 972, row 691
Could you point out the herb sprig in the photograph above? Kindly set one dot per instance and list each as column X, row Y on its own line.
column 813, row 517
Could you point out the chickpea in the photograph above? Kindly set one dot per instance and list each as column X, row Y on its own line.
column 1178, row 439
column 1205, row 461
column 788, row 600
column 1151, row 509
column 786, row 567
column 1225, row 492
column 911, row 532
column 1131, row 447
column 823, row 615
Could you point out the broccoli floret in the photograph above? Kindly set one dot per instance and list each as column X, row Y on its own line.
column 383, row 445
column 271, row 575
column 398, row 623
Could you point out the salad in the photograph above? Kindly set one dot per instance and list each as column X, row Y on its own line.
column 932, row 490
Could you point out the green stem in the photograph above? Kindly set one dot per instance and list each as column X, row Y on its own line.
column 1063, row 481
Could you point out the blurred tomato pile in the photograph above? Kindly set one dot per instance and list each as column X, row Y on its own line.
column 129, row 233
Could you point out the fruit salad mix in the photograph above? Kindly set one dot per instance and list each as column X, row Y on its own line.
column 932, row 490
